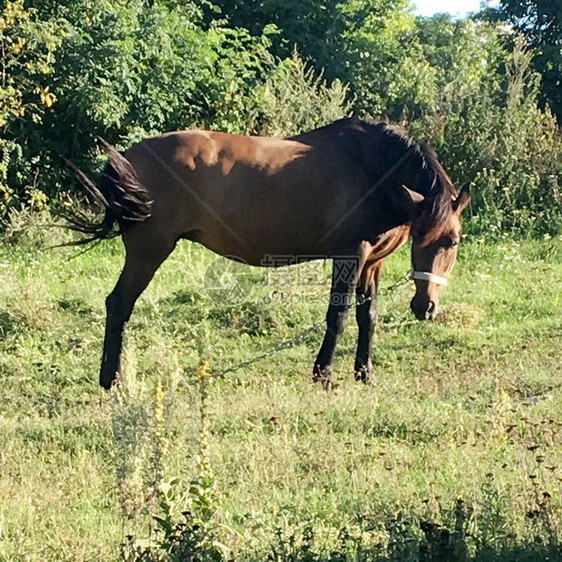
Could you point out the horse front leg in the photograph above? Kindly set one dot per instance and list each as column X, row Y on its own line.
column 142, row 261
column 345, row 274
column 366, row 314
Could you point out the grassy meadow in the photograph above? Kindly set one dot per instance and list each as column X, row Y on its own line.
column 466, row 407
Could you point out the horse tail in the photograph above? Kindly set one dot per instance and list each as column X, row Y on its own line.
column 120, row 193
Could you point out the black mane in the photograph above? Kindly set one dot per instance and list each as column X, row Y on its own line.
column 400, row 142
column 438, row 188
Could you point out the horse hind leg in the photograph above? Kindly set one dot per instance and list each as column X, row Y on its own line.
column 142, row 260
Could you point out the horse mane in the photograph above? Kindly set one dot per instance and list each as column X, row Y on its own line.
column 400, row 142
column 438, row 188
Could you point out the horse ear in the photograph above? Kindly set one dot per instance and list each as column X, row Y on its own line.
column 460, row 203
column 411, row 202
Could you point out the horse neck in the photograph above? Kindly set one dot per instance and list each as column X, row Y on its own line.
column 420, row 178
column 388, row 208
column 395, row 165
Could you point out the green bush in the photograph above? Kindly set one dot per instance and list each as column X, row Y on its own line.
column 488, row 127
column 294, row 99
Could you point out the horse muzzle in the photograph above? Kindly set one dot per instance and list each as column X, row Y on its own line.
column 423, row 308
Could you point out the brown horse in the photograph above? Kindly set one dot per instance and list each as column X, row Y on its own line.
column 351, row 191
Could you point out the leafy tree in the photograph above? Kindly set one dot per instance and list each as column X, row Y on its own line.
column 315, row 26
column 26, row 54
column 384, row 61
column 369, row 44
column 541, row 23
column 488, row 127
column 131, row 68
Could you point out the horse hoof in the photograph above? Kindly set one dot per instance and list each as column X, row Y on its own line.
column 324, row 376
column 363, row 374
column 107, row 382
column 109, row 377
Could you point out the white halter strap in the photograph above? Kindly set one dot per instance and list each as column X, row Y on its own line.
column 427, row 276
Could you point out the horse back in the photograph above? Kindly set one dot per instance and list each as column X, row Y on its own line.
column 280, row 194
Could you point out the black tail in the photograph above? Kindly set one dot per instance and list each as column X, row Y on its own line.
column 119, row 192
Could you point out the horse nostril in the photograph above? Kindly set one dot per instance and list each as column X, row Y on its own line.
column 431, row 309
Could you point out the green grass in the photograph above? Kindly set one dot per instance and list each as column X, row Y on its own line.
column 468, row 406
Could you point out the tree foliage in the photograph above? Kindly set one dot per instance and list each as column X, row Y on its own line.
column 127, row 69
column 26, row 54
column 488, row 127
column 541, row 24
column 368, row 44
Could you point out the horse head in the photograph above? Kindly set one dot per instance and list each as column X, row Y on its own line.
column 436, row 233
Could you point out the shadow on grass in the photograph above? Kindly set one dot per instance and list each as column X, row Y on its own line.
column 408, row 539
column 7, row 325
column 413, row 540
column 437, row 544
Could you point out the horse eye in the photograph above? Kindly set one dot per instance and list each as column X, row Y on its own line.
column 449, row 242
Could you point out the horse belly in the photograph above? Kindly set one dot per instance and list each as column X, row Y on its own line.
column 259, row 231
